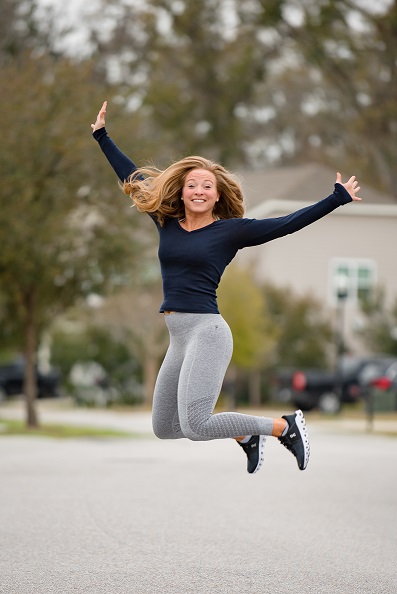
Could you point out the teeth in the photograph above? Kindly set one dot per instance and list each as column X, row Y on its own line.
column 199, row 201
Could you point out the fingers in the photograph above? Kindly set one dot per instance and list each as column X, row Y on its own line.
column 351, row 186
column 352, row 181
column 100, row 119
column 102, row 111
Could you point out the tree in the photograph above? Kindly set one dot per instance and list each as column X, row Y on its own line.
column 17, row 27
column 242, row 305
column 304, row 332
column 61, row 238
column 249, row 83
column 132, row 317
column 332, row 97
column 190, row 75
column 380, row 331
column 86, row 343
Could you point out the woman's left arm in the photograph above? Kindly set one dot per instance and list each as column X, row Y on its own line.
column 255, row 232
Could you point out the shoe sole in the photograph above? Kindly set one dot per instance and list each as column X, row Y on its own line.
column 301, row 425
column 262, row 441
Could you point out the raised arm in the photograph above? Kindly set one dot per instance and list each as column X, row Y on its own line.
column 122, row 165
column 255, row 232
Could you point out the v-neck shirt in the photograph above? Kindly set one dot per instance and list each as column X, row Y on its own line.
column 192, row 262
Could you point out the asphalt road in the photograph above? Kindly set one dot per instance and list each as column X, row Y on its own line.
column 142, row 516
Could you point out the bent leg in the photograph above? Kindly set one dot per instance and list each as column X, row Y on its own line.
column 203, row 370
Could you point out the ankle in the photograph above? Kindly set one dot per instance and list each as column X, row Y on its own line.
column 279, row 426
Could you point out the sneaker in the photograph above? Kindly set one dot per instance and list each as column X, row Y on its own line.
column 254, row 448
column 296, row 440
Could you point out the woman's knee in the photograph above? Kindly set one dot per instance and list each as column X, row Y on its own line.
column 193, row 433
column 166, row 428
column 161, row 430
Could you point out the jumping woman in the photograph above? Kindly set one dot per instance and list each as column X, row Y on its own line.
column 198, row 209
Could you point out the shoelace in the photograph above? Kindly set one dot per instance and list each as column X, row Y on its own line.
column 287, row 443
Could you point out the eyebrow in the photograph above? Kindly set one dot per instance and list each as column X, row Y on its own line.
column 188, row 179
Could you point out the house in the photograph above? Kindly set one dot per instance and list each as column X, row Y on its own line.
column 338, row 259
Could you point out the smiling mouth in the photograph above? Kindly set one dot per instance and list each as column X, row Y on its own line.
column 198, row 200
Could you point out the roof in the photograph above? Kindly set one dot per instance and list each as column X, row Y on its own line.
column 301, row 183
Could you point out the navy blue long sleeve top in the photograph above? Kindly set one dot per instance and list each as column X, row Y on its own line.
column 192, row 262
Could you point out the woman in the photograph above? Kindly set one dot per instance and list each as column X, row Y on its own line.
column 198, row 209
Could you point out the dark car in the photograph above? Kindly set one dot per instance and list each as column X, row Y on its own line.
column 328, row 390
column 12, row 379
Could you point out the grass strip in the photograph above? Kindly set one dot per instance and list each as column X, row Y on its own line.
column 14, row 427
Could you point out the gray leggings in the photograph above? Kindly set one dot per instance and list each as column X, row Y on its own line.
column 190, row 380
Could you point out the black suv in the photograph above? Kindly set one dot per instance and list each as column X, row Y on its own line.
column 12, row 378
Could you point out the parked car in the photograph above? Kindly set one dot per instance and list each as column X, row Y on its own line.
column 380, row 387
column 12, row 378
column 381, row 374
column 328, row 390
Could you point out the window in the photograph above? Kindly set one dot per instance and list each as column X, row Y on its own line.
column 351, row 279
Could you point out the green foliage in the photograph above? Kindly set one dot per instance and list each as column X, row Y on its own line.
column 63, row 237
column 198, row 74
column 341, row 85
column 245, row 83
column 89, row 344
column 11, row 427
column 304, row 333
column 272, row 326
column 380, row 331
column 242, row 305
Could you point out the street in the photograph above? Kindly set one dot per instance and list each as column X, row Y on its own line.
column 144, row 516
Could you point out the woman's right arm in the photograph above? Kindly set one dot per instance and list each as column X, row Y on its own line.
column 122, row 165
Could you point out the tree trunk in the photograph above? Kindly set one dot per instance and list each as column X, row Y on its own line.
column 230, row 388
column 30, row 379
column 254, row 387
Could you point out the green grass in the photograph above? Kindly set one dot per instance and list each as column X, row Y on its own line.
column 11, row 427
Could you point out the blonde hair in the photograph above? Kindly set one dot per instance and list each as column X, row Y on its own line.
column 159, row 192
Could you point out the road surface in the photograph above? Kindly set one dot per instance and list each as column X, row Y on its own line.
column 143, row 516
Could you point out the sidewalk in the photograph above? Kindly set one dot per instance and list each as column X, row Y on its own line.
column 137, row 420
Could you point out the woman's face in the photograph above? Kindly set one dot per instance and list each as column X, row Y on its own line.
column 199, row 192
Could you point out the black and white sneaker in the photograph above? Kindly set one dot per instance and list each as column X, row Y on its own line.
column 296, row 440
column 254, row 448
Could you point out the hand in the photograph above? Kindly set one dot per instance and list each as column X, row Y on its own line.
column 100, row 119
column 351, row 186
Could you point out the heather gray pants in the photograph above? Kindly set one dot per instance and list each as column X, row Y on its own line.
column 190, row 380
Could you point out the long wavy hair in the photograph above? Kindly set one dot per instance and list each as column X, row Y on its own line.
column 159, row 192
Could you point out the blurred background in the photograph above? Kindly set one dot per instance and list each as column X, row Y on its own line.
column 282, row 92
